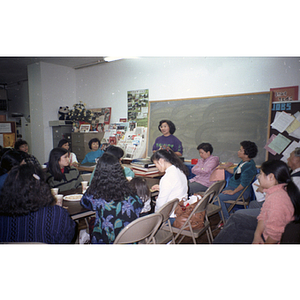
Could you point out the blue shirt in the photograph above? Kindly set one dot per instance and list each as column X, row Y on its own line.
column 2, row 180
column 91, row 156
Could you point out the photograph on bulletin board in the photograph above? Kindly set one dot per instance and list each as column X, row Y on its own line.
column 138, row 102
column 289, row 93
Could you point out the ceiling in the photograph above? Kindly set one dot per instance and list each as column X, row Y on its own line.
column 14, row 69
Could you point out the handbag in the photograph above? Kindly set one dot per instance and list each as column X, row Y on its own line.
column 183, row 212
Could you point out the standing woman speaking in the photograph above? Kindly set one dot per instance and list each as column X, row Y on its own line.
column 167, row 140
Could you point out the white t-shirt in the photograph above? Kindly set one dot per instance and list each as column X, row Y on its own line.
column 172, row 185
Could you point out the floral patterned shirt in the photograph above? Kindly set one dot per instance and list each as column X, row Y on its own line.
column 111, row 216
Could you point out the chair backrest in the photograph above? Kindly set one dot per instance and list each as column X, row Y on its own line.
column 167, row 209
column 139, row 229
column 217, row 187
column 203, row 203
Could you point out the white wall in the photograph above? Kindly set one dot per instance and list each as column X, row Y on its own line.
column 175, row 78
column 106, row 85
column 50, row 86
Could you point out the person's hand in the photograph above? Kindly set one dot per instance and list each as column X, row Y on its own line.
column 258, row 239
column 259, row 189
column 155, row 188
column 228, row 192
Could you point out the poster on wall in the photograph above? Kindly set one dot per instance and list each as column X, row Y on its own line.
column 101, row 117
column 138, row 102
column 289, row 93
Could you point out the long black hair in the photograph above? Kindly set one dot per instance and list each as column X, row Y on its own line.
column 109, row 182
column 25, row 191
column 282, row 175
column 172, row 158
column 10, row 159
column 53, row 163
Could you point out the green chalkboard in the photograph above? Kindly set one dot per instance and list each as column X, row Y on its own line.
column 223, row 121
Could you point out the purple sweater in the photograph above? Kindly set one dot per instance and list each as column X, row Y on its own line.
column 169, row 141
column 203, row 170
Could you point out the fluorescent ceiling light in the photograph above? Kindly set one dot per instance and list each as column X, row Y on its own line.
column 112, row 58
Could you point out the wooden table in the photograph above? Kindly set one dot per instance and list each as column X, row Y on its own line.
column 83, row 168
column 74, row 208
column 76, row 211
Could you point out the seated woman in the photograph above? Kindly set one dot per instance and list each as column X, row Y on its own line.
column 243, row 174
column 203, row 169
column 9, row 159
column 28, row 212
column 72, row 156
column 21, row 145
column 110, row 196
column 94, row 145
column 118, row 153
column 167, row 140
column 174, row 183
column 281, row 206
column 59, row 173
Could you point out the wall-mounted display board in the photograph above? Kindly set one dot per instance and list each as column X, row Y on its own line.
column 7, row 134
column 223, row 121
column 291, row 108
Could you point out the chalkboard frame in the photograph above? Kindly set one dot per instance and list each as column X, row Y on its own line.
column 229, row 108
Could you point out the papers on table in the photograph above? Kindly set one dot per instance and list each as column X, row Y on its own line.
column 278, row 143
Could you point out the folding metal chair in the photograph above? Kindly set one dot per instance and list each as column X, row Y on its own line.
column 140, row 229
column 164, row 236
column 195, row 233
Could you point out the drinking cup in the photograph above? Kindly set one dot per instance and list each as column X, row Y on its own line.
column 84, row 186
column 54, row 191
column 59, row 199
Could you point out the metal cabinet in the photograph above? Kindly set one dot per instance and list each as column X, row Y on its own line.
column 80, row 142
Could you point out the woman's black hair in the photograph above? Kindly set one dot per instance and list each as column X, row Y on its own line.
column 250, row 148
column 170, row 124
column 172, row 158
column 139, row 184
column 205, row 147
column 53, row 162
column 94, row 140
column 10, row 159
column 62, row 142
column 116, row 151
column 109, row 182
column 19, row 143
column 282, row 175
column 25, row 191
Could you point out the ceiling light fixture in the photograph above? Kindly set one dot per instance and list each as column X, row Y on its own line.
column 112, row 58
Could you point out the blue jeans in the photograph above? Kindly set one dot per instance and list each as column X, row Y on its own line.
column 224, row 197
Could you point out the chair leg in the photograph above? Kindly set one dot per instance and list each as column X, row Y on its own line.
column 210, row 238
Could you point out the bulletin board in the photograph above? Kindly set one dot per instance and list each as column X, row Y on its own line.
column 291, row 108
column 223, row 121
column 7, row 134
